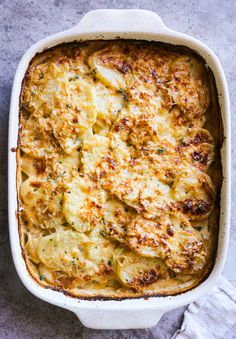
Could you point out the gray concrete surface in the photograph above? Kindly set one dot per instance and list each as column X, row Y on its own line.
column 21, row 24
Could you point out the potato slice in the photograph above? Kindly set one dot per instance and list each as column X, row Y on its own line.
column 83, row 203
column 42, row 202
column 36, row 139
column 170, row 237
column 135, row 271
column 31, row 249
column 93, row 150
column 109, row 76
column 32, row 167
column 116, row 218
column 194, row 192
column 101, row 249
column 198, row 145
column 188, row 86
column 65, row 251
column 109, row 102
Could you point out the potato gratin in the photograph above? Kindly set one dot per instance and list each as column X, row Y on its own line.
column 117, row 194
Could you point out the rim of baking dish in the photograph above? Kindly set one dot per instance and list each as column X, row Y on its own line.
column 154, row 31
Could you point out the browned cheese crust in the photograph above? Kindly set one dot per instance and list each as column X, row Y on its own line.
column 119, row 172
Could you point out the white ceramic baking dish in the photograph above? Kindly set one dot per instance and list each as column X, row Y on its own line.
column 131, row 313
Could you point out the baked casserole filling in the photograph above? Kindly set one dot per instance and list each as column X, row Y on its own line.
column 118, row 169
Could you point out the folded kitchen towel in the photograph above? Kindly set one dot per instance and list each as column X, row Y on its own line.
column 212, row 316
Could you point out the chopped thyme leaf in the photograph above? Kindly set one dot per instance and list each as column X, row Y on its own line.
column 42, row 277
column 61, row 174
column 118, row 110
column 76, row 76
column 122, row 92
column 33, row 90
column 161, row 150
column 109, row 262
column 200, row 207
column 103, row 233
column 77, row 140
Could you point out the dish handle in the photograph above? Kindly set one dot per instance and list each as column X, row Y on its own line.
column 113, row 20
column 118, row 319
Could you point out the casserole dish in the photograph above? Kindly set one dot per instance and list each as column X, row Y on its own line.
column 136, row 313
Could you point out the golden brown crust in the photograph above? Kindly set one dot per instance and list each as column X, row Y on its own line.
column 132, row 118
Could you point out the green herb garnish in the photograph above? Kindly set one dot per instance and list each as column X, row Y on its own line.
column 122, row 92
column 77, row 139
column 161, row 150
column 103, row 233
column 61, row 174
column 75, row 77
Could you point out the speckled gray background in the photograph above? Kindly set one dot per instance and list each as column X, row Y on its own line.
column 21, row 24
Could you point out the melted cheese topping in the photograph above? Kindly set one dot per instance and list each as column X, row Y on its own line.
column 114, row 186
